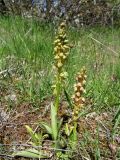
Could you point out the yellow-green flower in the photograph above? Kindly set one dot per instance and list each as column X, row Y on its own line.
column 61, row 49
column 61, row 52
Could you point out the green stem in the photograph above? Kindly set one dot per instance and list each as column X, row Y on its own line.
column 58, row 88
column 74, row 135
column 56, row 105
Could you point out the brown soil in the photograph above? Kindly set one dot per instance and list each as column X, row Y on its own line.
column 13, row 131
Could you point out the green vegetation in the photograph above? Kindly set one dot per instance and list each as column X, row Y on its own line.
column 27, row 46
column 27, row 74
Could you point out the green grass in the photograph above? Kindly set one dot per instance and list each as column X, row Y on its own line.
column 27, row 49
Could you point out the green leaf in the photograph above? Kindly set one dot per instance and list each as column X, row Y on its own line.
column 68, row 129
column 47, row 127
column 38, row 137
column 54, row 122
column 30, row 153
column 34, row 136
column 73, row 136
column 117, row 115
column 68, row 98
column 45, row 136
column 60, row 124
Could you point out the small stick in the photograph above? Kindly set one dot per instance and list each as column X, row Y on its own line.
column 117, row 54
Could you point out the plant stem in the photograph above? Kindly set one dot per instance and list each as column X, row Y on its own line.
column 56, row 105
column 58, row 88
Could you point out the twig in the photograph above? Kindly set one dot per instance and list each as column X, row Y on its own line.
column 117, row 54
column 107, row 131
column 5, row 155
column 6, row 70
column 38, row 147
column 14, row 124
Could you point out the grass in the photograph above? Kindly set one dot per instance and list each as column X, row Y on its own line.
column 26, row 72
column 28, row 47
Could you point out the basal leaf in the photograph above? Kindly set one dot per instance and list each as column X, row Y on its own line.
column 60, row 124
column 32, row 134
column 54, row 122
column 30, row 153
column 47, row 127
